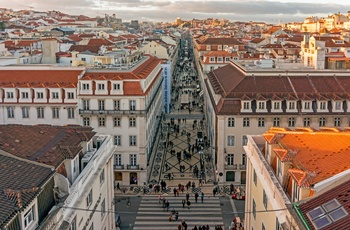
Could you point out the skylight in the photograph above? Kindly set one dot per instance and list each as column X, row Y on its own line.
column 327, row 214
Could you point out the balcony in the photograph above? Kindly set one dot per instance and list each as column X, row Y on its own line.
column 242, row 167
column 231, row 167
column 118, row 167
column 111, row 112
column 133, row 167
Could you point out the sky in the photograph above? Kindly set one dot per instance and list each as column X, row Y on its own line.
column 271, row 11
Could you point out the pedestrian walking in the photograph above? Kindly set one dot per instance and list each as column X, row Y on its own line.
column 214, row 192
column 183, row 203
column 167, row 204
column 187, row 196
column 175, row 191
column 188, row 204
column 196, row 196
column 202, row 196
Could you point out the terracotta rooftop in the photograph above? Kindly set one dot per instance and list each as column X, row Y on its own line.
column 20, row 182
column 313, row 161
column 232, row 83
column 30, row 78
column 49, row 145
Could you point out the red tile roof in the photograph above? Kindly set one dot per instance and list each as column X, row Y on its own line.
column 60, row 78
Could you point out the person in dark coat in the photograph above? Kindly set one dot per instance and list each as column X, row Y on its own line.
column 183, row 203
column 196, row 196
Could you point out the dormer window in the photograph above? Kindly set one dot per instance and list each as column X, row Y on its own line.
column 40, row 95
column 246, row 105
column 276, row 105
column 261, row 105
column 54, row 95
column 323, row 105
column 307, row 105
column 25, row 95
column 208, row 47
column 219, row 59
column 101, row 86
column 227, row 59
column 9, row 95
column 116, row 86
column 70, row 95
column 219, row 47
column 291, row 105
column 338, row 105
column 212, row 59
column 86, row 86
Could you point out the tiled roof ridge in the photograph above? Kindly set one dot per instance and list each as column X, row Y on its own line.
column 15, row 196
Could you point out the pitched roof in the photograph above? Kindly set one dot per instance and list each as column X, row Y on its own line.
column 341, row 194
column 20, row 182
column 48, row 78
column 83, row 48
column 218, row 41
column 49, row 145
column 314, row 161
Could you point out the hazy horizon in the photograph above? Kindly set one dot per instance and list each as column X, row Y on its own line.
column 168, row 10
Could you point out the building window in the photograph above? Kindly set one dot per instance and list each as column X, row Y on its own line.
column 261, row 105
column 102, row 176
column 255, row 179
column 132, row 122
column 230, row 140
column 54, row 95
column 132, row 105
column 133, row 159
column 227, row 59
column 208, row 47
column 101, row 86
column 9, row 95
column 118, row 159
column 276, row 105
column 337, row 121
column 219, row 59
column 40, row 112
column 295, row 192
column 322, row 121
column 101, row 105
column 264, row 199
column 307, row 121
column 323, row 105
column 116, row 86
column 28, row 217
column 73, row 225
column 291, row 105
column 86, row 86
column 278, row 225
column 56, row 113
column 230, row 159
column 117, row 122
column 86, row 104
column 25, row 112
column 39, row 95
column 307, row 105
column 276, row 121
column 244, row 140
column 291, row 122
column 337, row 105
column 70, row 95
column 132, row 140
column 25, row 95
column 89, row 198
column 83, row 59
column 103, row 208
column 231, row 122
column 261, row 122
column 10, row 112
column 117, row 140
column 101, row 121
column 116, row 104
column 244, row 159
column 70, row 113
column 254, row 209
column 86, row 121
column 246, row 122
column 246, row 105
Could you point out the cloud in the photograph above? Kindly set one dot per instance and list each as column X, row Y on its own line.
column 168, row 10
